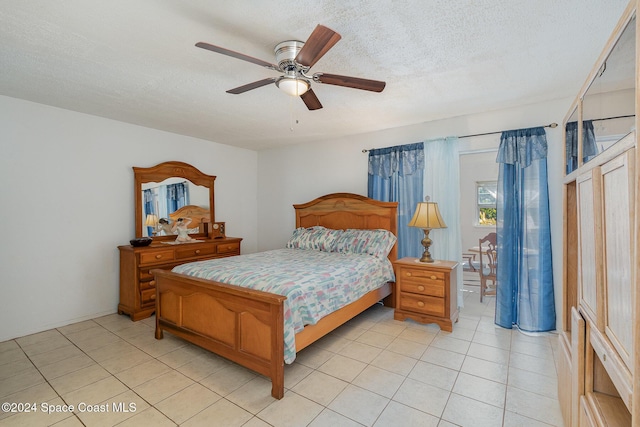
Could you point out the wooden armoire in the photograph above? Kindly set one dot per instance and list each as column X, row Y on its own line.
column 598, row 364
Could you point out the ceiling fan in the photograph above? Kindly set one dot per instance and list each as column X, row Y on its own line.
column 294, row 59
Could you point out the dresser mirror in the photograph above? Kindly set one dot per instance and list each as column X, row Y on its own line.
column 608, row 106
column 169, row 191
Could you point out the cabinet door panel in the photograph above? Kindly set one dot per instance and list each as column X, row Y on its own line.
column 618, row 224
column 590, row 291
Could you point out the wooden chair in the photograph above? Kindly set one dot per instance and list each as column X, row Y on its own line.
column 488, row 264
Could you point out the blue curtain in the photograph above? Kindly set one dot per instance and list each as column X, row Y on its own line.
column 442, row 184
column 177, row 196
column 589, row 147
column 525, row 296
column 396, row 175
column 149, row 207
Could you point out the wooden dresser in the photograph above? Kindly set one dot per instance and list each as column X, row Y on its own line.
column 137, row 285
column 426, row 292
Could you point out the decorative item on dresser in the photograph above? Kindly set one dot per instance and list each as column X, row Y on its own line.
column 137, row 284
column 426, row 292
column 427, row 216
column 598, row 362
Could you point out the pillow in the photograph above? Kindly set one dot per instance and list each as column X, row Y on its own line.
column 314, row 238
column 372, row 242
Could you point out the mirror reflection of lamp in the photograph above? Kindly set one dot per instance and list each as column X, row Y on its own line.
column 152, row 221
column 427, row 216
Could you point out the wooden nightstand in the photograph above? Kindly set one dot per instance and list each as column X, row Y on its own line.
column 427, row 292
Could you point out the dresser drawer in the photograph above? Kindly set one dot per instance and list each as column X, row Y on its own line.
column 191, row 252
column 148, row 296
column 226, row 248
column 422, row 304
column 160, row 255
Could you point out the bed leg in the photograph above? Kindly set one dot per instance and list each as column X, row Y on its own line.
column 277, row 388
column 159, row 334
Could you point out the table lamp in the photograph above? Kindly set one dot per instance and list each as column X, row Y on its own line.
column 427, row 217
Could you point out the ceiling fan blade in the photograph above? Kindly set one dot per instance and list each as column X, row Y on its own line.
column 237, row 55
column 320, row 41
column 352, row 82
column 311, row 100
column 250, row 86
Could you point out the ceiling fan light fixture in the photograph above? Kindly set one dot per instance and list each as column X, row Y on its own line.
column 292, row 86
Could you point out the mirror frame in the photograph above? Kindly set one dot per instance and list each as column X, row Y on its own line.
column 161, row 172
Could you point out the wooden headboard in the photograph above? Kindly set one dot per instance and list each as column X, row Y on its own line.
column 196, row 213
column 340, row 211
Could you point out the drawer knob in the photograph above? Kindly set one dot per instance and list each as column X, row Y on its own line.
column 433, row 277
column 421, row 288
column 408, row 273
column 158, row 256
column 152, row 283
column 197, row 251
column 420, row 304
column 153, row 296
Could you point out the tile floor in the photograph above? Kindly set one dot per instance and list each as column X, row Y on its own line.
column 373, row 371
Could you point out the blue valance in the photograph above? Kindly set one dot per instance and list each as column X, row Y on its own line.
column 522, row 146
column 402, row 159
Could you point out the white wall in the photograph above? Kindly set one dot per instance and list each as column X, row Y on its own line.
column 67, row 203
column 297, row 174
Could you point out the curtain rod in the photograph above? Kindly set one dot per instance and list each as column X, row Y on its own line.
column 550, row 125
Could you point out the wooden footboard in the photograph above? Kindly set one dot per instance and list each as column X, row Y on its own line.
column 242, row 325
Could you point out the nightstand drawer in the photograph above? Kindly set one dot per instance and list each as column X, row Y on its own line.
column 422, row 304
column 421, row 275
column 157, row 256
column 187, row 252
column 424, row 288
column 148, row 296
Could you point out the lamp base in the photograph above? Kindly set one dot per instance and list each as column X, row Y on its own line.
column 426, row 242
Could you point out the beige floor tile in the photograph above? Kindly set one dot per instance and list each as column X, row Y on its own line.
column 434, row 375
column 126, row 360
column 375, row 339
column 142, row 373
column 320, row 387
column 187, row 402
column 75, row 327
column 45, row 345
column 72, row 421
column 349, row 332
column 14, row 368
column 539, row 349
column 407, row 348
column 56, row 355
column 485, row 369
column 112, row 411
column 294, row 373
column 221, row 414
column 419, row 335
column 379, row 381
column 313, row 356
column 464, row 411
column 36, row 416
column 110, row 350
column 533, row 382
column 493, row 340
column 22, row 381
column 329, row 418
column 228, row 379
column 399, row 415
column 8, row 345
column 163, row 386
column 12, row 354
column 292, row 410
column 332, row 343
column 448, row 359
column 534, row 406
column 253, row 396
column 451, row 344
column 391, row 327
column 492, row 354
column 98, row 341
column 359, row 404
column 203, row 366
column 96, row 392
column 512, row 419
column 38, row 338
column 156, row 348
column 182, row 356
column 148, row 417
column 423, row 397
column 481, row 389
column 66, row 366
column 363, row 352
column 342, row 367
column 38, row 393
column 78, row 379
column 540, row 366
column 394, row 362
column 256, row 422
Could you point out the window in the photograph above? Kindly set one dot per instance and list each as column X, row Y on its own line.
column 486, row 192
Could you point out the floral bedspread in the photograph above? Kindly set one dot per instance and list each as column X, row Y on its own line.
column 316, row 283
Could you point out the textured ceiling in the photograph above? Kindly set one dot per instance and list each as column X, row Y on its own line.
column 135, row 61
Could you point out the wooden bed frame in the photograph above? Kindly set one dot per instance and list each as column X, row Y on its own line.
column 247, row 326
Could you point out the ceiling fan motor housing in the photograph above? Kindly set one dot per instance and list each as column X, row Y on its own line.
column 286, row 53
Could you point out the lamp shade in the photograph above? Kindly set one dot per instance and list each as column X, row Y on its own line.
column 151, row 221
column 292, row 86
column 427, row 216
